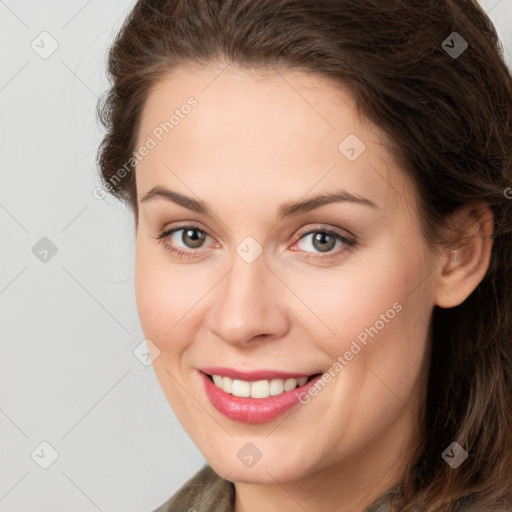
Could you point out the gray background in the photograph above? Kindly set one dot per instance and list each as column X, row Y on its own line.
column 68, row 321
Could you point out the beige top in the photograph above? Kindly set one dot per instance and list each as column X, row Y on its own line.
column 204, row 492
column 208, row 492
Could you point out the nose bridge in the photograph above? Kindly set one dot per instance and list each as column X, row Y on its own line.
column 248, row 301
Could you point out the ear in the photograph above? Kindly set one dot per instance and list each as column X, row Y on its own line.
column 464, row 264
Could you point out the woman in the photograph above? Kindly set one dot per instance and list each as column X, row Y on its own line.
column 320, row 193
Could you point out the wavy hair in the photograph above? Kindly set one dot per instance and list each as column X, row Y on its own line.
column 448, row 120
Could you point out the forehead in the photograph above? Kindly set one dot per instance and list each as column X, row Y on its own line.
column 262, row 129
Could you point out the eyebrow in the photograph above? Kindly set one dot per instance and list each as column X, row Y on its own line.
column 288, row 209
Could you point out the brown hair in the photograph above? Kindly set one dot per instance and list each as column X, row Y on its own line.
column 449, row 122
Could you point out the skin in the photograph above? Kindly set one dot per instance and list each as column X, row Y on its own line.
column 257, row 140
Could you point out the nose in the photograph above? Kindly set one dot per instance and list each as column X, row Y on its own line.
column 249, row 304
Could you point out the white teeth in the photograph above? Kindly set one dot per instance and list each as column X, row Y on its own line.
column 217, row 379
column 260, row 389
column 257, row 389
column 276, row 386
column 227, row 384
column 241, row 388
column 290, row 384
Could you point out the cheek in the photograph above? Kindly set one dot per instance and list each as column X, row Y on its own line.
column 163, row 300
column 375, row 310
column 343, row 304
column 378, row 348
column 161, row 295
column 171, row 300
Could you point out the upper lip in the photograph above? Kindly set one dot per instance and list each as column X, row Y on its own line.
column 253, row 375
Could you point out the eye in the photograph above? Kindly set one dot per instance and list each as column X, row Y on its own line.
column 323, row 241
column 191, row 236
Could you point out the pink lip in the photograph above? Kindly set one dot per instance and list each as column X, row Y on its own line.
column 254, row 375
column 254, row 410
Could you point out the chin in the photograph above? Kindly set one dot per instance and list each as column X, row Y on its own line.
column 263, row 472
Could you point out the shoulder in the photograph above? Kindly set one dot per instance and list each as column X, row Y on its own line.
column 472, row 503
column 206, row 491
column 393, row 500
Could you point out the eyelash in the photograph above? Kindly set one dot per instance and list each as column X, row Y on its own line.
column 349, row 243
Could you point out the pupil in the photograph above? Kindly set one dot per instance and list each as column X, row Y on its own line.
column 195, row 241
column 321, row 237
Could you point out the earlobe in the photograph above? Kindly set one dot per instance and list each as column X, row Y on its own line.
column 464, row 266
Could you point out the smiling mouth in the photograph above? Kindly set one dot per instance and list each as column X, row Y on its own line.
column 259, row 388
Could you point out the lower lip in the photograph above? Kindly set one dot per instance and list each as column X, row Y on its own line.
column 254, row 410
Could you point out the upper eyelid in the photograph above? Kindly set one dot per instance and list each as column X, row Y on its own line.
column 324, row 227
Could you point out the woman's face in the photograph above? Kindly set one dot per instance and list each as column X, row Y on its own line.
column 258, row 285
